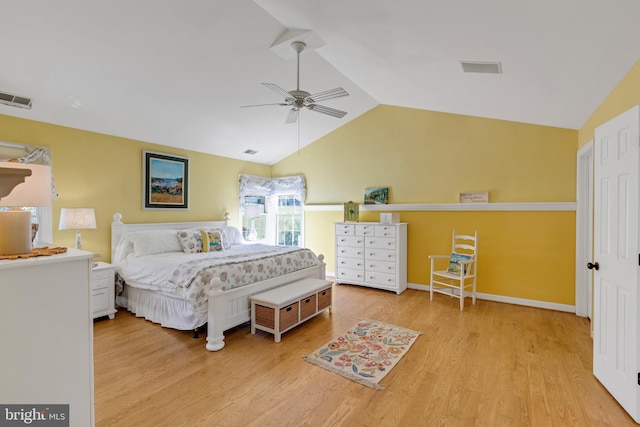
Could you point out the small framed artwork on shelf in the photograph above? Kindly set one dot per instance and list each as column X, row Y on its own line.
column 474, row 197
column 351, row 212
column 376, row 196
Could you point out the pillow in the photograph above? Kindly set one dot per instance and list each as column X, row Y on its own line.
column 232, row 236
column 201, row 240
column 150, row 242
column 212, row 240
column 123, row 251
column 454, row 263
column 190, row 241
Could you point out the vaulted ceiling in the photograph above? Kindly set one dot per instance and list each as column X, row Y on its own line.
column 177, row 72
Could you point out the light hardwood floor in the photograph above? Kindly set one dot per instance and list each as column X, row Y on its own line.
column 491, row 365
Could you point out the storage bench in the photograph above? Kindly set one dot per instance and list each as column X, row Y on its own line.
column 280, row 309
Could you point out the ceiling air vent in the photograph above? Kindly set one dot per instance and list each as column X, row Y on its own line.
column 481, row 67
column 15, row 101
column 250, row 152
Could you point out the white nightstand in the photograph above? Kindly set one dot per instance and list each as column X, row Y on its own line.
column 103, row 290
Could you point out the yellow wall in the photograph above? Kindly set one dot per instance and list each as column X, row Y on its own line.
column 413, row 152
column 105, row 172
column 623, row 97
column 429, row 157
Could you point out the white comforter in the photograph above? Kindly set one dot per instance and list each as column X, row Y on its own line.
column 190, row 275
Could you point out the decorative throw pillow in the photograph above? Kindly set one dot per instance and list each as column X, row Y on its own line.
column 454, row 263
column 212, row 240
column 190, row 240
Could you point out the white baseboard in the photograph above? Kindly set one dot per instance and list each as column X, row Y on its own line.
column 510, row 300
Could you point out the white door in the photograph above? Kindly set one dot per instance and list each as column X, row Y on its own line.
column 615, row 317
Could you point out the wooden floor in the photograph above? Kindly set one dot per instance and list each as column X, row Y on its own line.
column 491, row 365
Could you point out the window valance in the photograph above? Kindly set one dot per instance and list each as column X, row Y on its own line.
column 251, row 185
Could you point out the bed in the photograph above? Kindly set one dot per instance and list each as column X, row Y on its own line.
column 180, row 289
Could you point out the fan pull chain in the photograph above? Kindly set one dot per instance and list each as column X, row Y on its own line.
column 299, row 133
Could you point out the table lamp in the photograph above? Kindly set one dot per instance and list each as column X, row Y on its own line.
column 252, row 212
column 21, row 185
column 77, row 219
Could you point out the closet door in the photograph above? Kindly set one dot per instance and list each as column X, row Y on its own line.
column 617, row 259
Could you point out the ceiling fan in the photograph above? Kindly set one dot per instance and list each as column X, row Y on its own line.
column 298, row 99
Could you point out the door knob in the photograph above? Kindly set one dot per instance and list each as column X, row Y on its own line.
column 592, row 266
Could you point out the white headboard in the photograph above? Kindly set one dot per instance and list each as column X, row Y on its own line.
column 119, row 229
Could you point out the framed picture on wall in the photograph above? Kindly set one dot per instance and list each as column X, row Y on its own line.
column 376, row 196
column 165, row 181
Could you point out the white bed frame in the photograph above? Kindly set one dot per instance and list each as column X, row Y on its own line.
column 226, row 308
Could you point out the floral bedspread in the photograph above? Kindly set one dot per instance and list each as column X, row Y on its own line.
column 192, row 279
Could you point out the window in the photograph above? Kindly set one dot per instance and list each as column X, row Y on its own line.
column 31, row 154
column 289, row 221
column 272, row 209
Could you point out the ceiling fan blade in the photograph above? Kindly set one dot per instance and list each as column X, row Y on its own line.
column 277, row 89
column 263, row 105
column 327, row 94
column 327, row 110
column 292, row 117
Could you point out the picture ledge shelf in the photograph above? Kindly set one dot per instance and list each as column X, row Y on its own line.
column 525, row 207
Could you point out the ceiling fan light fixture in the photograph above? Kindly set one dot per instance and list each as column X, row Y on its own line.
column 297, row 99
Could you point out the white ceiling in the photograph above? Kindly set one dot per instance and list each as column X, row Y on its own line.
column 176, row 72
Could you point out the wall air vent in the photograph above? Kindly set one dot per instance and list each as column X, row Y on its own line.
column 481, row 67
column 250, row 152
column 15, row 100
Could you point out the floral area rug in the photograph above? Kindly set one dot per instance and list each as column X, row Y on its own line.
column 366, row 352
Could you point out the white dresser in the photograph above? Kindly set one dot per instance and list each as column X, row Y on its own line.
column 372, row 254
column 46, row 330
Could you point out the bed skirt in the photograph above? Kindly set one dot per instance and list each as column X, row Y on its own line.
column 167, row 310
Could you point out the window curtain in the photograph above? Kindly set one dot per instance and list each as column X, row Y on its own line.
column 251, row 185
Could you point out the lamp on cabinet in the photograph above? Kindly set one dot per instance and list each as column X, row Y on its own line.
column 77, row 219
column 21, row 185
column 252, row 212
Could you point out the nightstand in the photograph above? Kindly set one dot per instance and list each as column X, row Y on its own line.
column 103, row 290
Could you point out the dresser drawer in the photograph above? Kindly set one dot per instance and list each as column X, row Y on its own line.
column 381, row 242
column 345, row 229
column 104, row 274
column 385, row 231
column 353, row 241
column 353, row 263
column 349, row 252
column 381, row 266
column 100, row 299
column 382, row 279
column 381, row 254
column 365, row 230
column 100, row 284
column 350, row 274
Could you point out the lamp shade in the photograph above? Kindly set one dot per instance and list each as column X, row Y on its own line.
column 30, row 183
column 77, row 218
column 252, row 211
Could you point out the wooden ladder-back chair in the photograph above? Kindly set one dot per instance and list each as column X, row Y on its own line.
column 458, row 280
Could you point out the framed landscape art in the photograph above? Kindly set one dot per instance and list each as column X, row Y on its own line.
column 165, row 181
column 376, row 196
